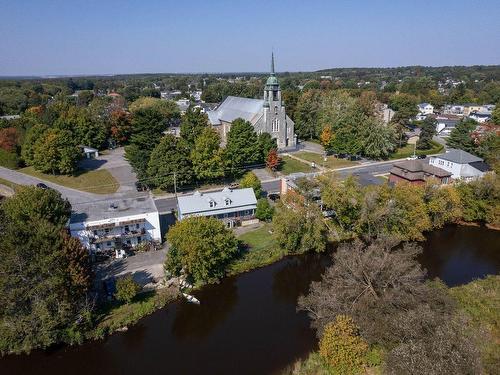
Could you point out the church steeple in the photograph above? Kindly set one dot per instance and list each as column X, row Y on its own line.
column 272, row 63
column 272, row 91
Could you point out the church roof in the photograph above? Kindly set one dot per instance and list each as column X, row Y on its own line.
column 235, row 107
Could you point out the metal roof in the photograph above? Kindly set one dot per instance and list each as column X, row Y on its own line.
column 235, row 107
column 458, row 156
column 199, row 203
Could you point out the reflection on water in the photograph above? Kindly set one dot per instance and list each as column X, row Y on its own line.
column 246, row 324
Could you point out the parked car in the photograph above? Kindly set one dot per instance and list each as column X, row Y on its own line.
column 42, row 186
column 234, row 185
column 109, row 287
column 421, row 156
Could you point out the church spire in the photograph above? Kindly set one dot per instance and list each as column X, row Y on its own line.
column 272, row 63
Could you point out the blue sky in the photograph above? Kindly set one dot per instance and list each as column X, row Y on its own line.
column 43, row 37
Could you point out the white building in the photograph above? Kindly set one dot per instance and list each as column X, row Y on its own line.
column 425, row 109
column 234, row 207
column 123, row 223
column 460, row 164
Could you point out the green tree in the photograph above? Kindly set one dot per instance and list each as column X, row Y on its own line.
column 167, row 108
column 342, row 347
column 443, row 204
column 121, row 126
column 202, row 247
column 250, row 180
column 207, row 156
column 32, row 136
column 379, row 140
column 242, row 148
column 461, row 137
column 148, row 125
column 299, row 226
column 307, row 114
column 56, row 152
column 405, row 106
column 126, row 289
column 42, row 286
column 495, row 115
column 169, row 164
column 264, row 210
column 193, row 123
column 427, row 131
column 266, row 144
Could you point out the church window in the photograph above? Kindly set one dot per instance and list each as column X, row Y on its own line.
column 275, row 109
column 276, row 125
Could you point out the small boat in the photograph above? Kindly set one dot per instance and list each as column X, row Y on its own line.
column 191, row 299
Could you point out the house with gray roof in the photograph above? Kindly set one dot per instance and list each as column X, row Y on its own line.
column 461, row 164
column 267, row 115
column 232, row 206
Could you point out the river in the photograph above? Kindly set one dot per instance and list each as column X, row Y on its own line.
column 247, row 324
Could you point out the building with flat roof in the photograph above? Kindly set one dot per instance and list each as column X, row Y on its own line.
column 232, row 206
column 123, row 223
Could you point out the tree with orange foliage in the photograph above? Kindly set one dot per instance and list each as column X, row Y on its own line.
column 8, row 139
column 121, row 127
column 273, row 160
column 326, row 136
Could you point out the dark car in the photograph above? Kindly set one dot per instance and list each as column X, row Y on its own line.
column 421, row 156
column 42, row 186
column 140, row 186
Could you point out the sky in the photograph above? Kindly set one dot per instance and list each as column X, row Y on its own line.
column 73, row 37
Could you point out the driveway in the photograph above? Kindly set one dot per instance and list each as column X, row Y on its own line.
column 114, row 161
column 310, row 147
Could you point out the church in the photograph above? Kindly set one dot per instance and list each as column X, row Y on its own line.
column 266, row 115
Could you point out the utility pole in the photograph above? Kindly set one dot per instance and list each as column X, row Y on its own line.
column 175, row 184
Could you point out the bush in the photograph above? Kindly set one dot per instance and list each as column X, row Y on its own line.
column 264, row 210
column 126, row 289
column 342, row 347
column 250, row 180
column 8, row 159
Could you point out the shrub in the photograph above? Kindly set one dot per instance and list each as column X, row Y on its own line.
column 264, row 210
column 126, row 289
column 342, row 347
column 8, row 159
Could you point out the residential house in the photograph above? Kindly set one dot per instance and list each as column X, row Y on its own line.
column 470, row 107
column 425, row 109
column 183, row 105
column 125, row 223
column 461, row 164
column 417, row 172
column 480, row 116
column 89, row 152
column 232, row 206
column 453, row 109
column 446, row 123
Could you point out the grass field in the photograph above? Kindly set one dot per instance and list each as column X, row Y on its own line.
column 407, row 151
column 260, row 250
column 331, row 161
column 289, row 165
column 98, row 182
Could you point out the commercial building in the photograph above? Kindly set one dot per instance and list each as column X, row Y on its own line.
column 460, row 164
column 417, row 172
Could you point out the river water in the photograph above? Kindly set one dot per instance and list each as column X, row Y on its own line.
column 247, row 324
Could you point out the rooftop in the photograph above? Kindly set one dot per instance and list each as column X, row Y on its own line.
column 458, row 156
column 235, row 107
column 201, row 202
column 418, row 168
column 111, row 209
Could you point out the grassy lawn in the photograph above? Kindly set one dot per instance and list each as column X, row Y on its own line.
column 260, row 250
column 10, row 184
column 331, row 161
column 289, row 165
column 407, row 151
column 115, row 315
column 98, row 182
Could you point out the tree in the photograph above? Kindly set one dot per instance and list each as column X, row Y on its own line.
column 427, row 131
column 443, row 204
column 342, row 347
column 148, row 125
column 379, row 140
column 78, row 264
column 193, row 123
column 306, row 115
column 298, row 225
column 242, row 148
column 42, row 286
column 495, row 115
column 56, row 152
column 272, row 160
column 121, row 126
column 266, row 144
column 9, row 138
column 326, row 136
column 405, row 106
column 88, row 128
column 264, row 210
column 207, row 156
column 126, row 289
column 32, row 136
column 167, row 108
column 461, row 137
column 250, row 180
column 202, row 247
column 382, row 288
column 169, row 164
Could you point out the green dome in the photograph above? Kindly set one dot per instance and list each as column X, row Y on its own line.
column 272, row 80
